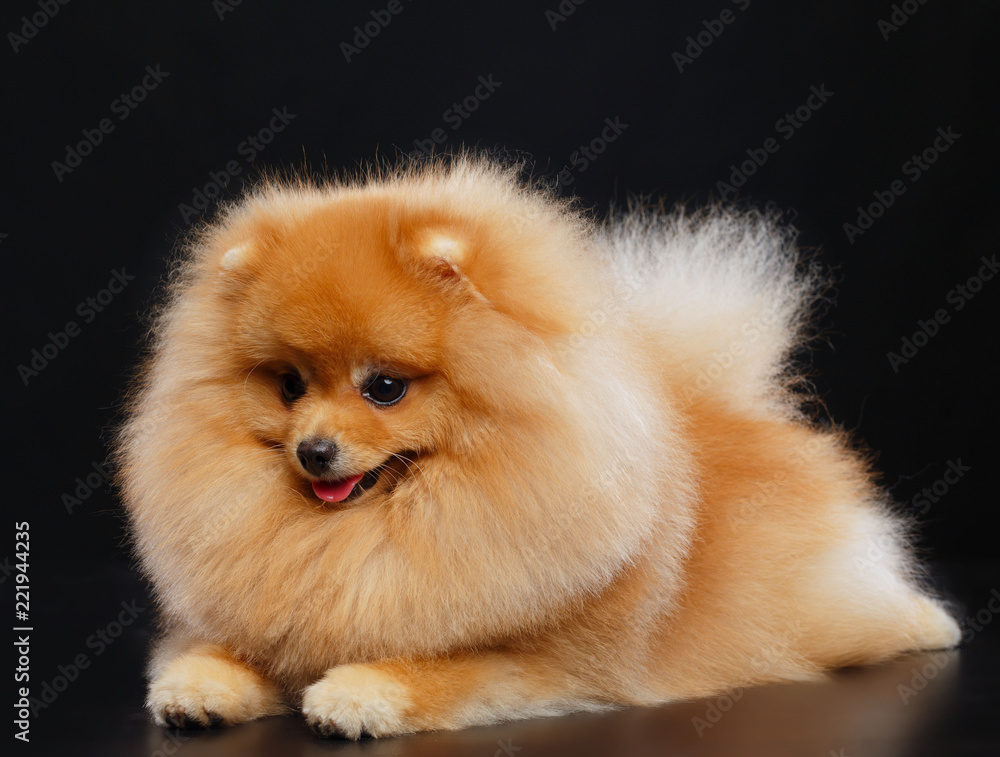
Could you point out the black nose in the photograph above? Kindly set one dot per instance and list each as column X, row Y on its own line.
column 316, row 454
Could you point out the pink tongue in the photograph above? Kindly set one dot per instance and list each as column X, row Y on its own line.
column 336, row 491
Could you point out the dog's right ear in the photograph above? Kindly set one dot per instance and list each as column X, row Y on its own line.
column 235, row 257
column 232, row 267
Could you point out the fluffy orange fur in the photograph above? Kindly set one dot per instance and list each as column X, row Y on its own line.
column 579, row 503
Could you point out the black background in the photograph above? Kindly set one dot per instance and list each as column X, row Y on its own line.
column 119, row 209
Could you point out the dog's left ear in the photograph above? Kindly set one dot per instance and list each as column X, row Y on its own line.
column 444, row 253
column 513, row 281
column 440, row 249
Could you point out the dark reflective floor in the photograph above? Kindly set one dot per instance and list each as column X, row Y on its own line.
column 930, row 704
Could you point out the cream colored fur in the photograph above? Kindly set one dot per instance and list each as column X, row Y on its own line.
column 615, row 498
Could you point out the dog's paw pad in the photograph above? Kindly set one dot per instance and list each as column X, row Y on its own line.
column 353, row 700
column 201, row 692
column 179, row 716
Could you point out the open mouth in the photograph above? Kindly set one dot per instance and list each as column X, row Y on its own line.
column 398, row 465
column 344, row 489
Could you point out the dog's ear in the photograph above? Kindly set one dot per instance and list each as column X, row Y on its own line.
column 494, row 269
column 241, row 248
column 232, row 267
column 441, row 252
column 440, row 249
column 234, row 258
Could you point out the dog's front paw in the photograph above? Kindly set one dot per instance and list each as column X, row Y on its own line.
column 205, row 690
column 354, row 699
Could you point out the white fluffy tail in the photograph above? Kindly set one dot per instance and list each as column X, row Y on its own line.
column 724, row 293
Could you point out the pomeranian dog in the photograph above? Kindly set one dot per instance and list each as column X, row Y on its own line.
column 429, row 448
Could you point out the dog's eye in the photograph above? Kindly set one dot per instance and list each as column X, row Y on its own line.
column 384, row 390
column 292, row 386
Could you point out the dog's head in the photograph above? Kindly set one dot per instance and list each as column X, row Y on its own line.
column 368, row 332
